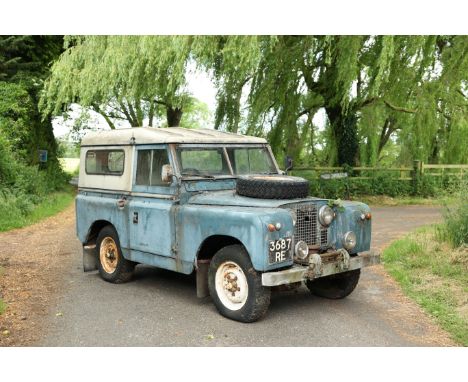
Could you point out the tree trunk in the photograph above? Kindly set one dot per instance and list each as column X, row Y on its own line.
column 151, row 114
column 344, row 127
column 174, row 115
column 387, row 130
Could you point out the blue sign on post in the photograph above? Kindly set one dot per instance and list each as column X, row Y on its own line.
column 42, row 156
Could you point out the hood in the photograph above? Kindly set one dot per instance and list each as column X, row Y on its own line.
column 231, row 198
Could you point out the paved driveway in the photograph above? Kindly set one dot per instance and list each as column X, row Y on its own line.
column 160, row 308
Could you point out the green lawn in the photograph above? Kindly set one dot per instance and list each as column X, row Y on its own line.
column 52, row 204
column 70, row 165
column 435, row 275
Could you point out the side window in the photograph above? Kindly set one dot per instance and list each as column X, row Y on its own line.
column 105, row 162
column 143, row 168
column 149, row 166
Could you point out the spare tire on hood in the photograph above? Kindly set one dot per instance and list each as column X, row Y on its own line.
column 272, row 186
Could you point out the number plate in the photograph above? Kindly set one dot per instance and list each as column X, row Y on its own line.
column 280, row 250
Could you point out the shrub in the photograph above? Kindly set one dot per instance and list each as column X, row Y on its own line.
column 455, row 227
column 382, row 183
column 22, row 186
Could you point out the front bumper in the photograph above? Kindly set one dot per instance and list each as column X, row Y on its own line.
column 320, row 266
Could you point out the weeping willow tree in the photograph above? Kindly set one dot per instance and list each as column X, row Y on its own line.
column 132, row 78
column 376, row 90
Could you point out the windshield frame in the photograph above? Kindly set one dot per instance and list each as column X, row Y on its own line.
column 222, row 146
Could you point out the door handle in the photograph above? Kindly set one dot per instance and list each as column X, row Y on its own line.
column 121, row 203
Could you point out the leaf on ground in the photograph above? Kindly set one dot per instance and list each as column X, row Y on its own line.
column 59, row 314
column 210, row 337
column 6, row 332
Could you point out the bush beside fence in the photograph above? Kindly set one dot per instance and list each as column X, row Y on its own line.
column 424, row 180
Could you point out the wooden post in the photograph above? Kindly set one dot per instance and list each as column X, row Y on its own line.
column 415, row 174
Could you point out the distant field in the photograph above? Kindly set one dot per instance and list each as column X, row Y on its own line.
column 70, row 165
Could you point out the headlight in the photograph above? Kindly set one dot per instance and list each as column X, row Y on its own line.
column 326, row 215
column 301, row 250
column 349, row 240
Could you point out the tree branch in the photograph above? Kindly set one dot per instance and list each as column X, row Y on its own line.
column 460, row 92
column 133, row 114
column 127, row 114
column 98, row 110
column 398, row 108
column 161, row 103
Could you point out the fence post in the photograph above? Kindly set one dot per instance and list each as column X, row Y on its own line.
column 415, row 174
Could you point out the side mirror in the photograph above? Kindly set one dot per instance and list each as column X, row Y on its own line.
column 288, row 163
column 167, row 173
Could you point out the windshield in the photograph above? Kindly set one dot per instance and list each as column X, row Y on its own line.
column 203, row 161
column 251, row 160
column 210, row 162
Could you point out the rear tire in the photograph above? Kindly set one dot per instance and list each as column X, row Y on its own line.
column 336, row 286
column 236, row 287
column 112, row 266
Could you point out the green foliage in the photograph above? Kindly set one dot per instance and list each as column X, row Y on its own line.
column 23, row 186
column 196, row 114
column 15, row 118
column 410, row 90
column 382, row 183
column 68, row 149
column 121, row 77
column 455, row 227
column 23, row 58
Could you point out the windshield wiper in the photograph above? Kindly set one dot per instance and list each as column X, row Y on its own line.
column 186, row 173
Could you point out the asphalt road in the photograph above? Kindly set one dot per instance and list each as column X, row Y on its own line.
column 160, row 308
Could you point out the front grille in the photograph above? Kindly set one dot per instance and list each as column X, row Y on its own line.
column 323, row 237
column 307, row 226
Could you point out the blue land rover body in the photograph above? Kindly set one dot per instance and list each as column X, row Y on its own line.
column 215, row 203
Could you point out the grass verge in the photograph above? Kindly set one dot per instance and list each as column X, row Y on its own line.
column 435, row 275
column 52, row 204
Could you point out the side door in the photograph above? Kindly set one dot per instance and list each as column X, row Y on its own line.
column 151, row 208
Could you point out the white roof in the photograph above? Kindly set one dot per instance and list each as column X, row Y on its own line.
column 146, row 135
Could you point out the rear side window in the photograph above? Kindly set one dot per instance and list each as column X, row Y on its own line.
column 149, row 166
column 105, row 162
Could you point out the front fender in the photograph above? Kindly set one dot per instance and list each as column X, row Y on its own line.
column 348, row 218
column 195, row 223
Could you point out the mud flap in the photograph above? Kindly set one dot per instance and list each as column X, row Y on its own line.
column 89, row 258
column 202, row 278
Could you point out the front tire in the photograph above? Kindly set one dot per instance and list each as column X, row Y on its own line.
column 236, row 287
column 113, row 267
column 336, row 286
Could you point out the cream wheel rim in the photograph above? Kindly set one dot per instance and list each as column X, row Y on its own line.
column 109, row 255
column 231, row 285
